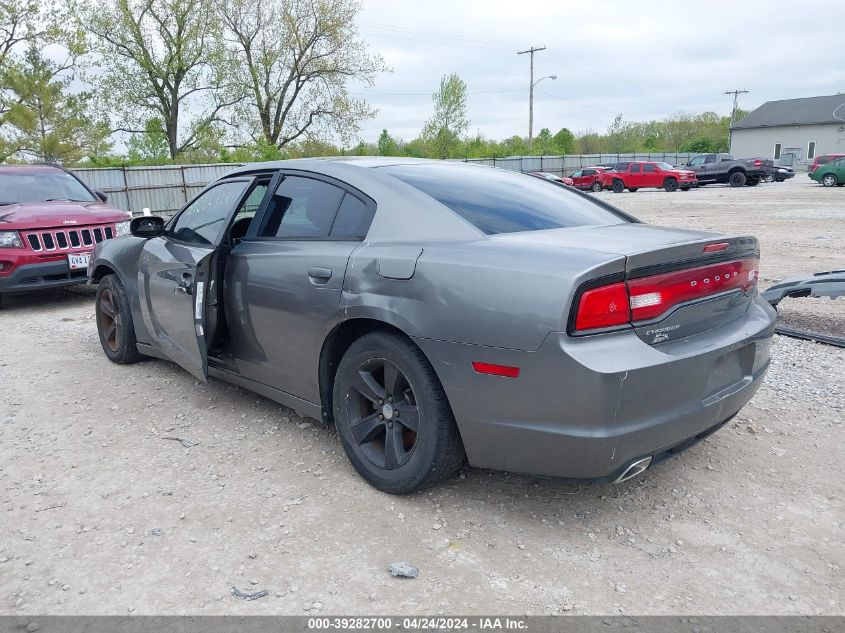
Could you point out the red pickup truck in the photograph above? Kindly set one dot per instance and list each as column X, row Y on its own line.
column 640, row 174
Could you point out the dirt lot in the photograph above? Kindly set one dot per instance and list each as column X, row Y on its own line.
column 101, row 514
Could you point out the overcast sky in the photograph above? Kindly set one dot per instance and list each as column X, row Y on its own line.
column 644, row 59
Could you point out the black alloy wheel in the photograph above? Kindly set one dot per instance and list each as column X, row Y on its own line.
column 383, row 413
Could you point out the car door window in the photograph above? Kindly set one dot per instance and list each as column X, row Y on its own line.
column 649, row 169
column 301, row 208
column 578, row 174
column 202, row 221
column 635, row 169
column 710, row 158
column 353, row 219
column 698, row 161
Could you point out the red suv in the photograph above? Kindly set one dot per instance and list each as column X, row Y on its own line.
column 823, row 159
column 641, row 174
column 588, row 178
column 50, row 222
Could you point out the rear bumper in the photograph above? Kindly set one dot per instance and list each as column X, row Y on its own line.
column 27, row 277
column 586, row 408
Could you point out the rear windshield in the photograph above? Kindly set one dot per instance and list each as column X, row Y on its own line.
column 40, row 187
column 500, row 201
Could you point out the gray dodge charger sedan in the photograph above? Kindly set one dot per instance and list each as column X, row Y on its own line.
column 436, row 312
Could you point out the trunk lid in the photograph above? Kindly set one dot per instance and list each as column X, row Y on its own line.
column 710, row 291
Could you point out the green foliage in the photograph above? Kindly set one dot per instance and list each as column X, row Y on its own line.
column 293, row 60
column 449, row 122
column 387, row 144
column 160, row 59
column 45, row 120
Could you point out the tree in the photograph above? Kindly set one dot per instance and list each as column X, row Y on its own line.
column 163, row 59
column 386, row 144
column 449, row 121
column 47, row 122
column 294, row 61
column 564, row 141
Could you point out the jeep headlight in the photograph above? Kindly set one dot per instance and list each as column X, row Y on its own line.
column 10, row 239
column 121, row 228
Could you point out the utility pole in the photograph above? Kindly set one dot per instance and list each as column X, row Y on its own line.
column 531, row 50
column 736, row 94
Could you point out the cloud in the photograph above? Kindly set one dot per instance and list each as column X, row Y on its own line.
column 645, row 60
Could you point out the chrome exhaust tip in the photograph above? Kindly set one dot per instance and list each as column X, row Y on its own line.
column 634, row 469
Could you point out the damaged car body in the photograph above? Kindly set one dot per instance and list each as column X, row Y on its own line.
column 826, row 284
column 436, row 312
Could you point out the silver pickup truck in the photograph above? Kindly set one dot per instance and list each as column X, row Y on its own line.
column 724, row 168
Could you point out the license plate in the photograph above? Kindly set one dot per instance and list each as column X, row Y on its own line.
column 78, row 260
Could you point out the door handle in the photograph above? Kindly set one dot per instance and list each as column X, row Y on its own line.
column 319, row 275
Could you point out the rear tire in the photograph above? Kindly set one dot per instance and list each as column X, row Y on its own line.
column 670, row 184
column 392, row 415
column 618, row 186
column 771, row 178
column 830, row 180
column 737, row 179
column 114, row 322
column 597, row 187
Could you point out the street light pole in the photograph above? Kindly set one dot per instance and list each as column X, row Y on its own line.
column 531, row 50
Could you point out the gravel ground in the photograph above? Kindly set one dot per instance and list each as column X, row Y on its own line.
column 102, row 514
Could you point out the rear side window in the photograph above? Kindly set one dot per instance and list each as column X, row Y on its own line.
column 353, row 219
column 500, row 201
column 301, row 208
column 650, row 168
column 635, row 168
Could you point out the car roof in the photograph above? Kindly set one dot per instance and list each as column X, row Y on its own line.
column 37, row 169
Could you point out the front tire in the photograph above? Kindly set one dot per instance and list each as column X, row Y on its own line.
column 114, row 322
column 670, row 184
column 737, row 179
column 392, row 415
column 829, row 180
column 597, row 187
column 618, row 186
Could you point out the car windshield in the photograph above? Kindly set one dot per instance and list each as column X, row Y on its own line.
column 41, row 187
column 500, row 201
column 664, row 166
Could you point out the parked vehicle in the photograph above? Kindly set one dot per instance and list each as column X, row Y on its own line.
column 588, row 179
column 824, row 159
column 780, row 173
column 558, row 180
column 428, row 308
column 641, row 174
column 49, row 223
column 724, row 168
column 830, row 174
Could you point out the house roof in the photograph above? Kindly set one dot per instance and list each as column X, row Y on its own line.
column 806, row 111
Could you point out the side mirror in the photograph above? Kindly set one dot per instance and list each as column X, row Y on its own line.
column 147, row 226
column 103, row 197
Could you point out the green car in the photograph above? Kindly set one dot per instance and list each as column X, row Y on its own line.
column 830, row 174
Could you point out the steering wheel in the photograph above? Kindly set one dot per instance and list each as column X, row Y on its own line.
column 238, row 231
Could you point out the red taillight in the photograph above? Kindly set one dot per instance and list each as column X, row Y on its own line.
column 652, row 296
column 602, row 307
column 647, row 298
column 757, row 163
column 495, row 370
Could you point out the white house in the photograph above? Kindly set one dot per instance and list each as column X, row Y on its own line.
column 792, row 131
